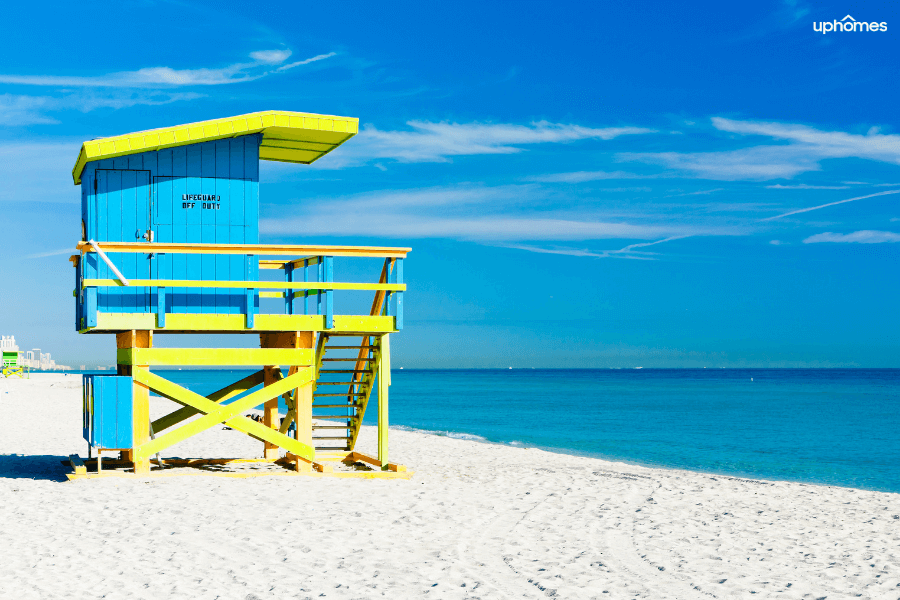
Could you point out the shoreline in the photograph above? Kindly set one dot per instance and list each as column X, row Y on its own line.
column 472, row 437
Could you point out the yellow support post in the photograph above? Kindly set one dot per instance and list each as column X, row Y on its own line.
column 129, row 341
column 384, row 382
column 303, row 400
column 290, row 341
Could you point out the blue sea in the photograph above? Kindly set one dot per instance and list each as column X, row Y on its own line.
column 827, row 426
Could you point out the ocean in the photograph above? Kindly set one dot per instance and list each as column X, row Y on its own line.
column 824, row 426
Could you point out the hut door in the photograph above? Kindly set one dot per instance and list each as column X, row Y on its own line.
column 123, row 215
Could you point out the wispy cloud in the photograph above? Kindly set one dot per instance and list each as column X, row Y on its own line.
column 803, row 186
column 629, row 252
column 70, row 250
column 305, row 61
column 802, row 150
column 582, row 252
column 439, row 142
column 857, row 237
column 471, row 213
column 19, row 110
column 826, row 144
column 812, row 208
column 756, row 163
column 262, row 63
column 583, row 176
column 697, row 193
column 487, row 228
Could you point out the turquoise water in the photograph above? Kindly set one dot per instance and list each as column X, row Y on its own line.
column 831, row 426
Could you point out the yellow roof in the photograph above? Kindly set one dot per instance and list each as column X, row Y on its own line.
column 286, row 137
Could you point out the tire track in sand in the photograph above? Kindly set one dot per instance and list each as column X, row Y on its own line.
column 621, row 552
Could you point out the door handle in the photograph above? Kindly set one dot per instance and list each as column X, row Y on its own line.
column 148, row 235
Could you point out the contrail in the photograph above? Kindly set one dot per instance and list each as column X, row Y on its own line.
column 803, row 210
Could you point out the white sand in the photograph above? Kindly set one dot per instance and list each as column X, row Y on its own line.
column 476, row 521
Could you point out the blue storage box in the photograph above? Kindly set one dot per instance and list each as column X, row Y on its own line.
column 108, row 418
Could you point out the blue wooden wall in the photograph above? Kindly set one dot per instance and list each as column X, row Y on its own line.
column 123, row 197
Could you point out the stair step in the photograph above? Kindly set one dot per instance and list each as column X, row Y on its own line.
column 348, row 347
column 339, row 383
column 330, row 437
column 344, row 394
column 345, row 370
column 347, row 359
column 340, row 448
column 331, row 427
column 335, row 417
column 335, row 405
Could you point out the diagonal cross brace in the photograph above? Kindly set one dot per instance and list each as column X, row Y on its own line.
column 226, row 393
column 215, row 414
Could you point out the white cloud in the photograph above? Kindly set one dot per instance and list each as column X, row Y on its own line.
column 757, row 163
column 25, row 110
column 822, row 144
column 437, row 142
column 272, row 57
column 803, row 186
column 802, row 151
column 583, row 176
column 697, row 193
column 19, row 110
column 857, row 237
column 812, row 208
column 472, row 213
column 629, row 252
column 306, row 61
column 162, row 77
column 582, row 252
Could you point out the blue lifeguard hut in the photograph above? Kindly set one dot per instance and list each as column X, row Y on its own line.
column 170, row 244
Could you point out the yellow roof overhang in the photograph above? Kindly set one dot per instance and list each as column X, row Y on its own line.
column 286, row 137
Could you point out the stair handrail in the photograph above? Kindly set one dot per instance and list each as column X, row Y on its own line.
column 377, row 305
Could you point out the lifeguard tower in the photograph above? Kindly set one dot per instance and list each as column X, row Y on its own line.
column 170, row 245
column 12, row 365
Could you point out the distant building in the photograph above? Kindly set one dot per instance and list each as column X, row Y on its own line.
column 33, row 359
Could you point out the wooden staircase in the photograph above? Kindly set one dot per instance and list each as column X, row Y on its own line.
column 350, row 362
column 344, row 383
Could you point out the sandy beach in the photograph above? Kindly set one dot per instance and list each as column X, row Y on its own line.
column 476, row 520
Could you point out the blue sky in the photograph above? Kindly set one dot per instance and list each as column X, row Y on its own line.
column 583, row 184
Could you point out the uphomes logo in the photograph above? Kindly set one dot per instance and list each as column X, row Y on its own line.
column 848, row 23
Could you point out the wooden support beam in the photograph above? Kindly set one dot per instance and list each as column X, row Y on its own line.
column 359, row 456
column 132, row 341
column 198, row 322
column 258, row 249
column 384, row 382
column 301, row 396
column 318, row 286
column 215, row 356
column 77, row 465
